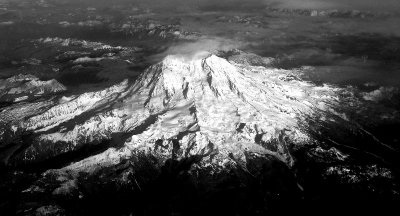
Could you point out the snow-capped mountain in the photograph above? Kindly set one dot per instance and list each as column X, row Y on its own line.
column 205, row 106
column 21, row 87
column 205, row 115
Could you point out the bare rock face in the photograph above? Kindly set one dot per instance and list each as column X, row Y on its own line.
column 206, row 107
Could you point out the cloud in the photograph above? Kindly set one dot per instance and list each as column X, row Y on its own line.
column 199, row 48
